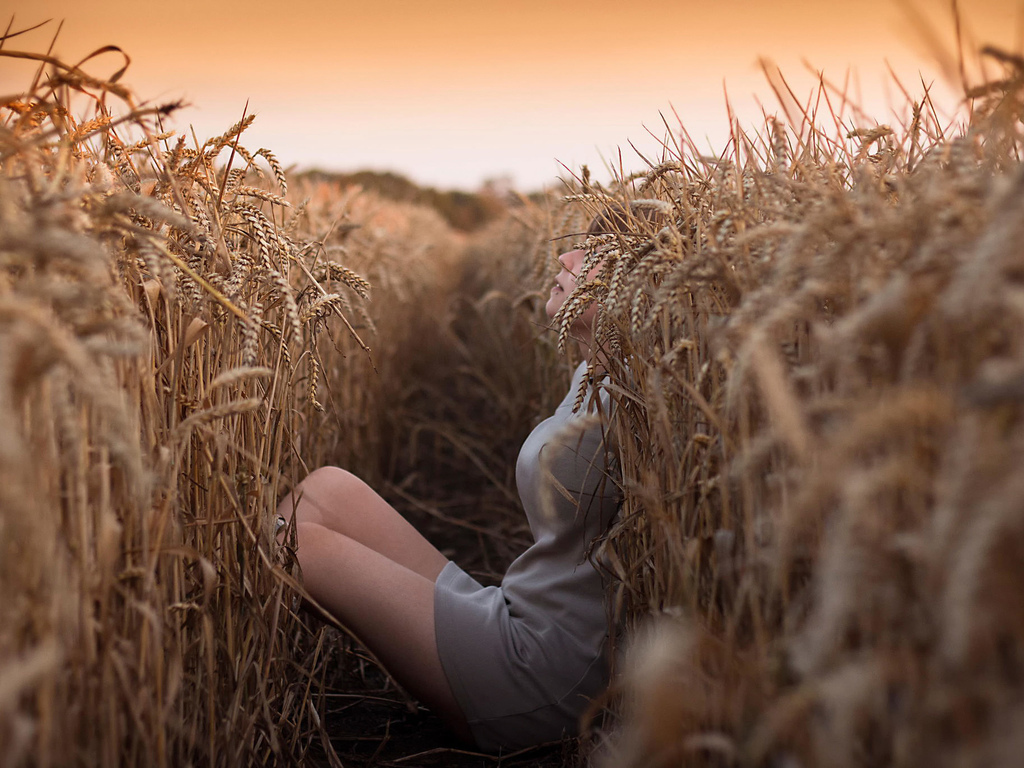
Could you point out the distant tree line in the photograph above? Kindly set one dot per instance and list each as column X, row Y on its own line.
column 465, row 211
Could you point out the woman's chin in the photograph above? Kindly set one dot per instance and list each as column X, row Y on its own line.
column 552, row 307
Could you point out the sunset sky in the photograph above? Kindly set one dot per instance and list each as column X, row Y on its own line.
column 450, row 92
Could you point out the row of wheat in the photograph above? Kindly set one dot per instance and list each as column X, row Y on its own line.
column 816, row 345
column 179, row 344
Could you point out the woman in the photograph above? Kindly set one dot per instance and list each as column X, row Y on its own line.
column 506, row 667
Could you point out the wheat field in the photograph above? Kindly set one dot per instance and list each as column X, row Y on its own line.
column 813, row 341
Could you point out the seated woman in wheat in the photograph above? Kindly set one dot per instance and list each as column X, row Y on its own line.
column 505, row 666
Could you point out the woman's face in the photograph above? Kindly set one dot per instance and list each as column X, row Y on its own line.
column 565, row 283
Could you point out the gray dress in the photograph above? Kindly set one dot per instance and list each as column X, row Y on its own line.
column 525, row 659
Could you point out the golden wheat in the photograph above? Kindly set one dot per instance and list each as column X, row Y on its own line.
column 802, row 361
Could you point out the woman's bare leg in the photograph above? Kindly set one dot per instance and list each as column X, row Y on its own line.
column 341, row 502
column 389, row 607
column 374, row 572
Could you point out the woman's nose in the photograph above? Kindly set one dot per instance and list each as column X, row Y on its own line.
column 567, row 260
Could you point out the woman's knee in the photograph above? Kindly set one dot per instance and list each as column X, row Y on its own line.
column 322, row 490
column 329, row 480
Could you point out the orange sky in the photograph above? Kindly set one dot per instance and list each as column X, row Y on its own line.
column 451, row 92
